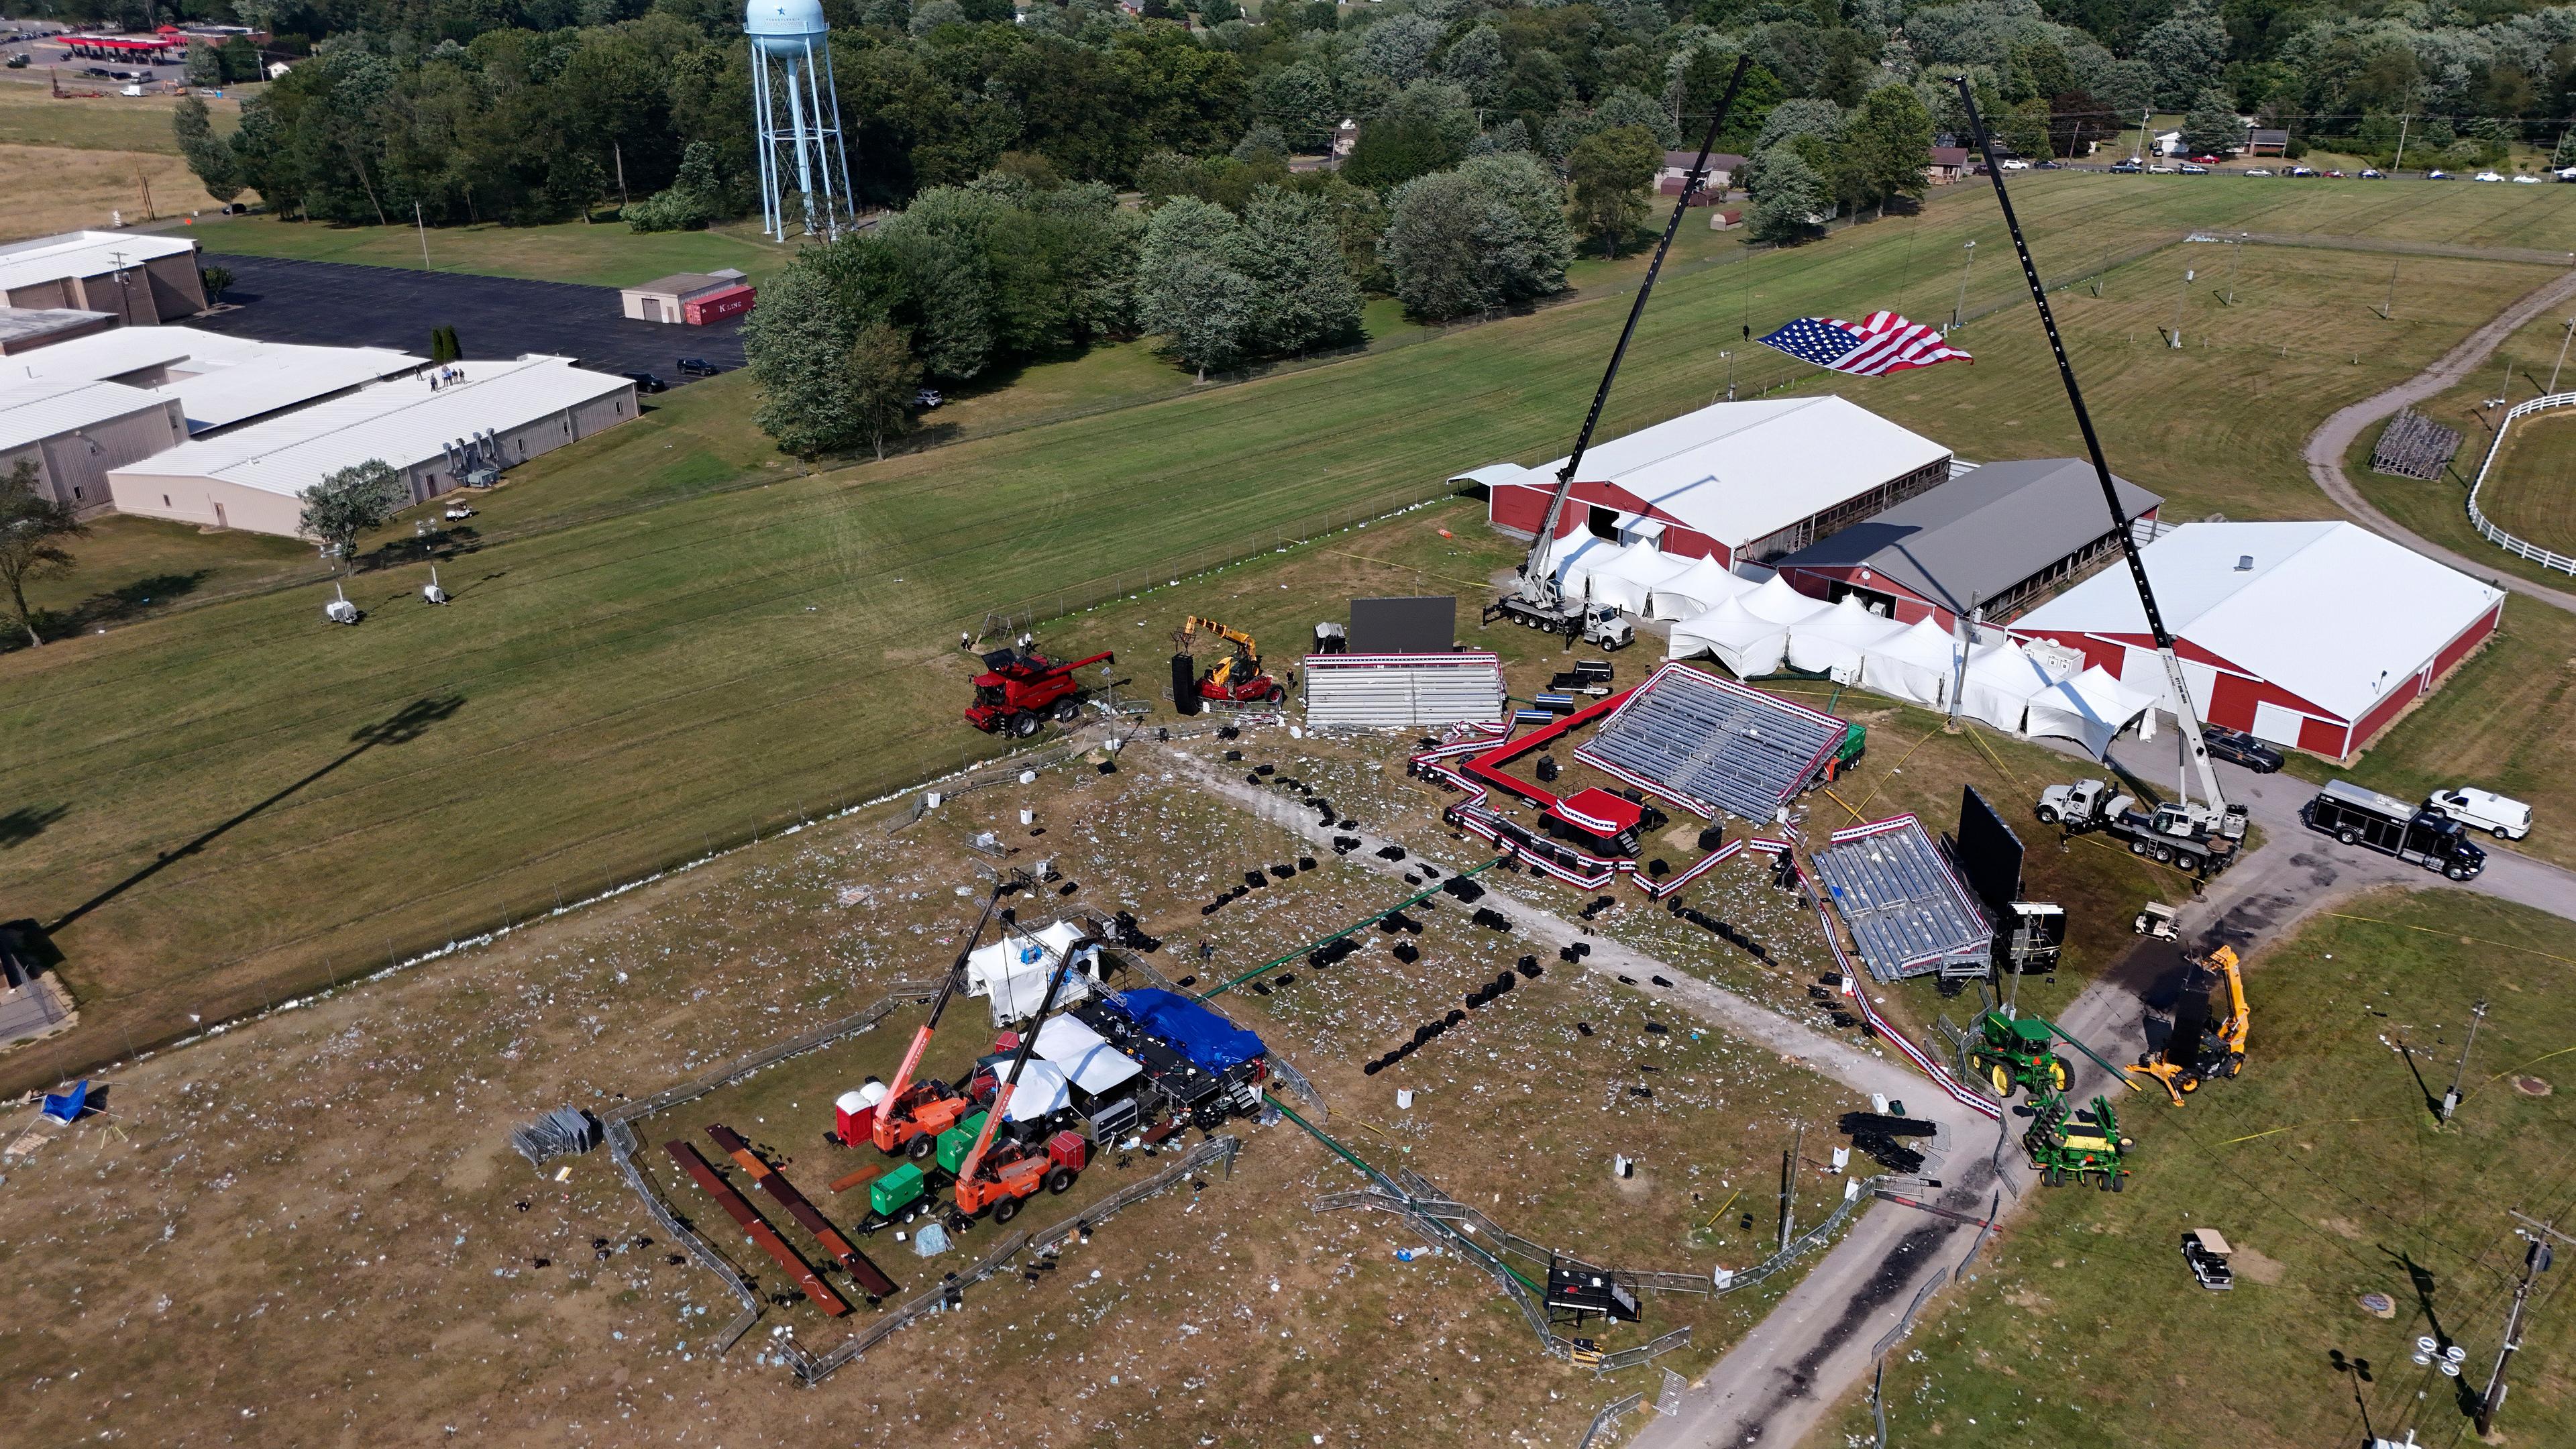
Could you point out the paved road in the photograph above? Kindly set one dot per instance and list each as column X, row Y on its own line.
column 2334, row 438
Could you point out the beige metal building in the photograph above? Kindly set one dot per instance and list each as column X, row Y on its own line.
column 493, row 415
column 138, row 278
column 74, row 432
column 666, row 299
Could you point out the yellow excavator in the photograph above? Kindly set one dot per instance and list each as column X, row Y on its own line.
column 1236, row 679
column 2199, row 1049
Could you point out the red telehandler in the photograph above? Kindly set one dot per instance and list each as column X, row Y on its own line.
column 1001, row 1177
column 912, row 1114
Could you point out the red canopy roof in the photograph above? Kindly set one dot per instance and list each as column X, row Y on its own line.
column 1598, row 812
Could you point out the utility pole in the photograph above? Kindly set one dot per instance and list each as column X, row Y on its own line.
column 2145, row 118
column 618, row 151
column 1730, row 375
column 2564, row 339
column 2534, row 1263
column 1789, row 1183
column 1958, row 307
column 2451, row 1098
column 2236, row 263
column 423, row 227
column 2182, row 295
column 2401, row 145
column 2389, row 310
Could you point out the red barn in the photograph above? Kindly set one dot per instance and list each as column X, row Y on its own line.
column 2313, row 635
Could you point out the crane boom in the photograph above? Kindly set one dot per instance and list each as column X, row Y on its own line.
column 2220, row 816
column 1538, row 585
column 886, row 1139
column 993, row 1115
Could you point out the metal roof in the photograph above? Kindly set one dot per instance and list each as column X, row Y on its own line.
column 2329, row 611
column 33, row 411
column 1982, row 532
column 219, row 380
column 683, row 284
column 81, row 254
column 402, row 422
column 19, row 324
column 1741, row 471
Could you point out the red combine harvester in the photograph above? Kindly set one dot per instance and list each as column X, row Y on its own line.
column 1021, row 688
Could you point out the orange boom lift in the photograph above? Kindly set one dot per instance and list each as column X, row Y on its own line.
column 913, row 1114
column 1001, row 1179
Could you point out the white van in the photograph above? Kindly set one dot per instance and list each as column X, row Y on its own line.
column 2504, row 818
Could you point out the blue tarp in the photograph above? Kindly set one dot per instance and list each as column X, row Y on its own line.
column 66, row 1106
column 1207, row 1039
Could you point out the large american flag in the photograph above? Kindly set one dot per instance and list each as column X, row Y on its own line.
column 1881, row 343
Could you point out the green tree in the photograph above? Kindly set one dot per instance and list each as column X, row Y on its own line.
column 1612, row 172
column 2024, row 128
column 204, row 67
column 240, row 60
column 2210, row 126
column 2565, row 156
column 800, row 346
column 1190, row 288
column 350, row 502
column 209, row 158
column 1425, row 128
column 32, row 528
column 1887, row 142
column 1490, row 234
column 885, row 381
column 1790, row 199
column 1305, row 297
column 2184, row 52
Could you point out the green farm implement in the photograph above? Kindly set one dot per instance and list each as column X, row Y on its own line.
column 2065, row 1143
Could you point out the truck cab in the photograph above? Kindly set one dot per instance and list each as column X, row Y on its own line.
column 1608, row 628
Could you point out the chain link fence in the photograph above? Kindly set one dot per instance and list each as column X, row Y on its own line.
column 1608, row 1416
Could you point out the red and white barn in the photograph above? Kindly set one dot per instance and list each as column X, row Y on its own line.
column 1740, row 482
column 2313, row 635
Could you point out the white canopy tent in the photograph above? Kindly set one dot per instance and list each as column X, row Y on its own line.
column 1628, row 581
column 1835, row 640
column 2091, row 708
column 1697, row 589
column 1743, row 643
column 1040, row 1094
column 1084, row 1055
column 1913, row 664
column 1012, row 972
column 1573, row 558
column 1781, row 604
column 2000, row 684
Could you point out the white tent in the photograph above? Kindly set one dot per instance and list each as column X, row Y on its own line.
column 1012, row 972
column 1626, row 581
column 1573, row 558
column 1834, row 640
column 1094, row 1065
column 2000, row 684
column 1695, row 590
column 1741, row 642
column 2090, row 708
column 1781, row 604
column 1913, row 665
column 1040, row 1093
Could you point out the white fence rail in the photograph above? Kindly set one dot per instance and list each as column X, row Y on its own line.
column 2497, row 536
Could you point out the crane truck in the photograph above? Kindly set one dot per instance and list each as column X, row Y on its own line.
column 2209, row 827
column 1537, row 599
column 2170, row 834
column 909, row 1116
column 1001, row 1177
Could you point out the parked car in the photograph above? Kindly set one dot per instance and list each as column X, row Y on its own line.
column 2569, row 174
column 2016, row 164
column 2128, row 168
column 458, row 512
column 2333, row 173
column 2303, row 171
column 2487, row 176
column 927, row 398
column 2053, row 166
column 18, row 61
column 2238, row 747
column 2208, row 160
column 2160, row 170
column 2526, row 181
column 2439, row 175
column 697, row 367
column 2192, row 168
column 2501, row 816
column 646, row 382
column 2258, row 171
column 2373, row 173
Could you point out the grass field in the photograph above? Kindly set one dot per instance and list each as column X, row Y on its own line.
column 57, row 188
column 31, row 115
column 2532, row 492
column 318, row 1281
column 667, row 638
column 2323, row 1167
column 600, row 254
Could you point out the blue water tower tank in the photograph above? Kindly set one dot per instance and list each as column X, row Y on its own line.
column 782, row 26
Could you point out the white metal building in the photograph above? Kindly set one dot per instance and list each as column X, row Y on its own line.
column 137, row 277
column 74, row 432
column 1741, row 482
column 498, row 413
column 2313, row 635
column 220, row 382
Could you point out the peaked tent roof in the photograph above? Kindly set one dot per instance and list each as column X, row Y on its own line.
column 2329, row 611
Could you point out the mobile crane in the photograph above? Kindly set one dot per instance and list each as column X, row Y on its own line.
column 912, row 1114
column 2200, row 1049
column 1237, row 678
column 1538, row 600
column 999, row 1178
column 2210, row 818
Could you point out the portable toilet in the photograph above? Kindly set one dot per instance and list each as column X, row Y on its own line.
column 854, row 1113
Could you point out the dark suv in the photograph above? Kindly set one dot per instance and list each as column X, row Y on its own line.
column 2241, row 748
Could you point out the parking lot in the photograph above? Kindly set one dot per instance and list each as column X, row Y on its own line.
column 337, row 304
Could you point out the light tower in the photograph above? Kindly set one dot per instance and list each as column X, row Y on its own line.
column 800, row 149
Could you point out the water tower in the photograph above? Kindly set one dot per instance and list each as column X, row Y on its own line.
column 799, row 122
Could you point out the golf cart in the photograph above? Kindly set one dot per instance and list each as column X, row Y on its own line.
column 2206, row 1252
column 2156, row 919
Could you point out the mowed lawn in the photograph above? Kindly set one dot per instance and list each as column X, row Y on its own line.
column 234, row 800
column 599, row 254
column 2531, row 494
column 2322, row 1165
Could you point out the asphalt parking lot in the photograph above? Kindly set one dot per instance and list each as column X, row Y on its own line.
column 339, row 305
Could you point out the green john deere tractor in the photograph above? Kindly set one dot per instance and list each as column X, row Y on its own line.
column 2064, row 1143
column 2018, row 1052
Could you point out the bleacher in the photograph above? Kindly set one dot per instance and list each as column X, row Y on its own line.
column 2414, row 446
